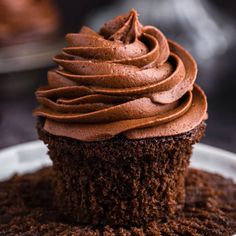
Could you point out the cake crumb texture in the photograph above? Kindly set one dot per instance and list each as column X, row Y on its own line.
column 120, row 182
column 26, row 208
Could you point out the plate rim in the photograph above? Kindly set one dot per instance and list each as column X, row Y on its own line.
column 201, row 159
column 198, row 147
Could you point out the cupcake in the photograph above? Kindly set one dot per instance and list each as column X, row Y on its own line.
column 26, row 20
column 120, row 115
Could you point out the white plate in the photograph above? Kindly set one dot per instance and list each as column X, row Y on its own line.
column 25, row 158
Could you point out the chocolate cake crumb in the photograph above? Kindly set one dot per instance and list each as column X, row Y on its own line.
column 120, row 182
column 26, row 208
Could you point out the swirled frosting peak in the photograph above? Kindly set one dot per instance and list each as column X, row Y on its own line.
column 127, row 79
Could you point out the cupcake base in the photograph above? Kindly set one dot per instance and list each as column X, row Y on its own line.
column 120, row 182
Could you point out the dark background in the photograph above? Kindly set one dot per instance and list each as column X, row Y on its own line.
column 217, row 71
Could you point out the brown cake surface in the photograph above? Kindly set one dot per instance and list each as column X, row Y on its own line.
column 120, row 182
column 27, row 209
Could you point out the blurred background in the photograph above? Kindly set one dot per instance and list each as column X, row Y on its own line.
column 32, row 31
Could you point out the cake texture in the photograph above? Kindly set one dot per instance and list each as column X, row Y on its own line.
column 120, row 181
column 120, row 115
column 27, row 209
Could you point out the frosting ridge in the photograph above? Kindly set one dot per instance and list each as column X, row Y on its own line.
column 127, row 78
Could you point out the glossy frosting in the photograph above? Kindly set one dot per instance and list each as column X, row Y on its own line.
column 127, row 79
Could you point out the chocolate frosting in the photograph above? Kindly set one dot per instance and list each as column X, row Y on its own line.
column 127, row 79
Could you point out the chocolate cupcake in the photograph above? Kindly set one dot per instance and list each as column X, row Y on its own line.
column 120, row 116
column 27, row 20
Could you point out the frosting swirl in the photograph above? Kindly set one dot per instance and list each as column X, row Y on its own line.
column 127, row 78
